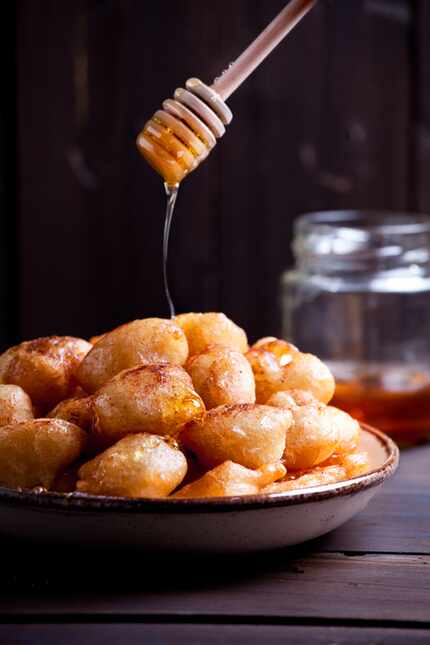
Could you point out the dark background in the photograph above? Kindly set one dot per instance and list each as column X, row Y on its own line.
column 338, row 116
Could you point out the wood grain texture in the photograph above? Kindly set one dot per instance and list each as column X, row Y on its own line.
column 421, row 125
column 8, row 186
column 159, row 634
column 53, row 250
column 398, row 518
column 325, row 123
column 273, row 126
column 349, row 574
column 339, row 117
column 391, row 588
column 395, row 522
column 366, row 138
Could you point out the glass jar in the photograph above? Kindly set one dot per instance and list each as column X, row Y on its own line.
column 359, row 298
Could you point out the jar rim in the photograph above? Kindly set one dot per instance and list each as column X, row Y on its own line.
column 362, row 240
column 378, row 221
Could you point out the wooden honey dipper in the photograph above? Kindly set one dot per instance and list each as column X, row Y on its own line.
column 178, row 137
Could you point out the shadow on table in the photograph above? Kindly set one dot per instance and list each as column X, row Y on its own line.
column 34, row 568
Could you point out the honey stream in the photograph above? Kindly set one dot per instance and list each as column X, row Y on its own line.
column 172, row 193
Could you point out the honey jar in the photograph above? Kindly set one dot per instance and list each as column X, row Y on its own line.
column 359, row 298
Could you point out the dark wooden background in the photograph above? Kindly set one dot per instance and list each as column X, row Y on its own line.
column 339, row 116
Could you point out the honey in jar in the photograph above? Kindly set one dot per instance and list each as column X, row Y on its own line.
column 359, row 298
column 398, row 402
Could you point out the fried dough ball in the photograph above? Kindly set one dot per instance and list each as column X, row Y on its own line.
column 151, row 340
column 250, row 435
column 307, row 372
column 139, row 465
column 211, row 328
column 44, row 368
column 77, row 410
column 232, row 479
column 315, row 477
column 348, row 428
column 15, row 405
column 222, row 376
column 336, row 468
column 289, row 399
column 313, row 436
column 267, row 358
column 33, row 453
column 303, row 372
column 158, row 399
column 95, row 339
column 267, row 373
column 355, row 463
column 283, row 351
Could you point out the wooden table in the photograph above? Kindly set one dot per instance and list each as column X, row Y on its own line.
column 367, row 582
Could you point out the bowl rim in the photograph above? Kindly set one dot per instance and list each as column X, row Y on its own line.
column 84, row 502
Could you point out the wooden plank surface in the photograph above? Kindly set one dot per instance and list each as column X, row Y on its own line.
column 421, row 91
column 390, row 588
column 393, row 522
column 398, row 518
column 53, row 250
column 159, row 634
column 354, row 573
column 364, row 158
column 9, row 296
column 333, row 131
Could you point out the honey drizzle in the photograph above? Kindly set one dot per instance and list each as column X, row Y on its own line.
column 183, row 167
column 171, row 193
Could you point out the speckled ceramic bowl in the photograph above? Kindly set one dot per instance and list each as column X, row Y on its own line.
column 227, row 524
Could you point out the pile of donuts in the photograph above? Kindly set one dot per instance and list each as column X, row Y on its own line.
column 182, row 408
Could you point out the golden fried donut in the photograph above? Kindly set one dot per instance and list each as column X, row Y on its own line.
column 44, row 368
column 291, row 399
column 232, row 479
column 267, row 373
column 222, row 376
column 312, row 437
column 249, row 434
column 355, row 463
column 77, row 410
column 158, row 399
column 33, row 453
column 307, row 372
column 211, row 328
column 283, row 351
column 315, row 477
column 151, row 340
column 15, row 405
column 139, row 465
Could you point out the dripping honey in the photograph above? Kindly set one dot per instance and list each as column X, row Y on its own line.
column 169, row 155
column 172, row 159
column 403, row 413
column 171, row 194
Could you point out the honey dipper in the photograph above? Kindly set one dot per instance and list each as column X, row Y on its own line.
column 178, row 137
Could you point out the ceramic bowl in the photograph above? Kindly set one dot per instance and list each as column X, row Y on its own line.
column 227, row 524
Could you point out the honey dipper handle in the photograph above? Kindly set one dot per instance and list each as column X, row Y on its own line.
column 261, row 47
